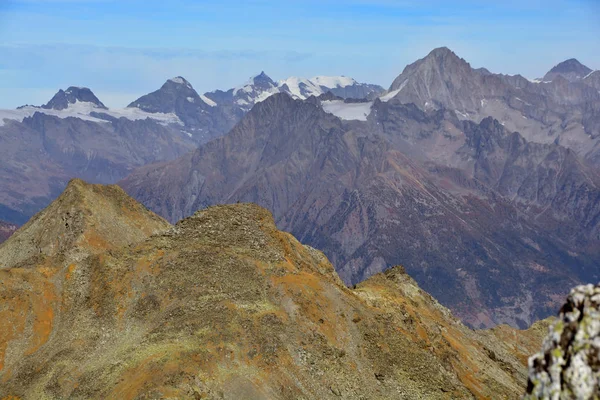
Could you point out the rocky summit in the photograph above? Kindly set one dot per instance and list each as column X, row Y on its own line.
column 568, row 367
column 73, row 95
column 100, row 298
column 571, row 69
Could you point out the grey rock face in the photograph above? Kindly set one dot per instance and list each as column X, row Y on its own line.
column 46, row 146
column 593, row 79
column 568, row 367
column 557, row 111
column 441, row 79
column 72, row 95
column 571, row 69
column 171, row 97
column 40, row 154
column 263, row 82
column 202, row 120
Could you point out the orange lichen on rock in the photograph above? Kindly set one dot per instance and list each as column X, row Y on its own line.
column 70, row 269
column 43, row 315
column 12, row 315
column 31, row 315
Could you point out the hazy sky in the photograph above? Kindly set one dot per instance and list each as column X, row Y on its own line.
column 122, row 49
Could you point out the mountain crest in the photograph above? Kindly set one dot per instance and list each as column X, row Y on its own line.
column 571, row 69
column 440, row 79
column 254, row 86
column 572, row 64
column 179, row 80
column 227, row 295
column 63, row 98
column 263, row 82
column 262, row 77
column 443, row 56
column 173, row 96
column 88, row 218
column 442, row 52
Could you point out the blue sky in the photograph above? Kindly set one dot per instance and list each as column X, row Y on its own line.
column 122, row 49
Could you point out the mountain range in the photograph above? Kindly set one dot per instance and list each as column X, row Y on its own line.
column 101, row 298
column 496, row 224
column 484, row 186
column 305, row 238
column 76, row 135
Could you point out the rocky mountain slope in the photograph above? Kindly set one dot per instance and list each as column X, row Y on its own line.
column 76, row 135
column 593, row 79
column 557, row 111
column 200, row 117
column 6, row 230
column 494, row 226
column 103, row 299
column 44, row 148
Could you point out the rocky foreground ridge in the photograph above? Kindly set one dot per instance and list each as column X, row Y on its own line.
column 568, row 367
column 100, row 298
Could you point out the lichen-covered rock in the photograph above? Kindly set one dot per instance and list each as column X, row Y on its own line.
column 568, row 367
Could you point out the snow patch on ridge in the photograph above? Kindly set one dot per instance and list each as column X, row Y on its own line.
column 302, row 88
column 83, row 111
column 590, row 74
column 208, row 101
column 393, row 93
column 389, row 96
column 180, row 81
column 347, row 111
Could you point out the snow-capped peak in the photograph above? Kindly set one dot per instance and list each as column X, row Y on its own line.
column 178, row 80
column 74, row 94
column 257, row 83
column 303, row 88
column 70, row 89
column 300, row 88
column 260, row 87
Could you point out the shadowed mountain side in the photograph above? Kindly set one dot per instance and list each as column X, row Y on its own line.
column 41, row 153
